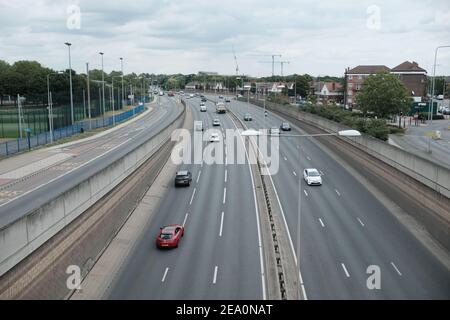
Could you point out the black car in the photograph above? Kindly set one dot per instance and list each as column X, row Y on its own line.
column 204, row 99
column 247, row 117
column 285, row 126
column 183, row 178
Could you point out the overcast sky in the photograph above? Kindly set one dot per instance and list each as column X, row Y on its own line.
column 164, row 36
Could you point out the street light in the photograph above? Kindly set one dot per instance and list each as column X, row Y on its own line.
column 68, row 44
column 50, row 104
column 432, row 86
column 123, row 91
column 103, row 85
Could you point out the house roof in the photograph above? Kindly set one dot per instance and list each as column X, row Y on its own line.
column 370, row 69
column 408, row 67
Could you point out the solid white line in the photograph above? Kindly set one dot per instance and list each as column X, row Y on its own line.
column 306, row 193
column 185, row 219
column 360, row 221
column 66, row 173
column 193, row 194
column 261, row 254
column 285, row 159
column 224, row 195
column 226, row 175
column 199, row 174
column 165, row 274
column 345, row 270
column 215, row 275
column 396, row 269
column 295, row 174
column 337, row 192
column 221, row 225
column 308, row 158
column 321, row 222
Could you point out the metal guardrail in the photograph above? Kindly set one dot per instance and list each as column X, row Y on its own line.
column 23, row 144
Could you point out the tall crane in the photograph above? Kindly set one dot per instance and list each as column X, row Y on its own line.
column 235, row 61
column 273, row 60
column 280, row 62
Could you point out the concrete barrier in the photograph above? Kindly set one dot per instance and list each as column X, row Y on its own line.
column 428, row 173
column 21, row 237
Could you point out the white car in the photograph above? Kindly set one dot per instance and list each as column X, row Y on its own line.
column 214, row 137
column 312, row 177
column 274, row 131
column 216, row 122
column 202, row 108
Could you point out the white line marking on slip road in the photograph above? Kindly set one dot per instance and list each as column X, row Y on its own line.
column 226, row 175
column 321, row 222
column 345, row 270
column 360, row 221
column 165, row 274
column 306, row 193
column 221, row 225
column 215, row 275
column 193, row 194
column 321, row 173
column 285, row 159
column 337, row 192
column 309, row 159
column 295, row 174
column 224, row 194
column 396, row 269
column 199, row 174
column 185, row 219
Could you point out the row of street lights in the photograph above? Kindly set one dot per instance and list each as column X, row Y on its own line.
column 72, row 116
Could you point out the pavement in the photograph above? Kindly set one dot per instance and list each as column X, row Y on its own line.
column 419, row 140
column 32, row 179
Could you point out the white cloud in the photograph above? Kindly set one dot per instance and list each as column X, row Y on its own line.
column 317, row 37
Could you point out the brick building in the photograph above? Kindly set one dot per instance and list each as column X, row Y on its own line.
column 413, row 77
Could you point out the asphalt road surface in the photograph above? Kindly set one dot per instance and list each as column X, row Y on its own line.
column 218, row 258
column 24, row 189
column 344, row 229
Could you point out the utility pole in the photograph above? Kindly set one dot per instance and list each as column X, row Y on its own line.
column 88, row 94
column 282, row 63
column 123, row 92
column 68, row 44
column 103, row 85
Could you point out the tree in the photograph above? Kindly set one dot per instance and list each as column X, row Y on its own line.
column 383, row 94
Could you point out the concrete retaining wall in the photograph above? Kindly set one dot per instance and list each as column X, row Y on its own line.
column 428, row 173
column 23, row 236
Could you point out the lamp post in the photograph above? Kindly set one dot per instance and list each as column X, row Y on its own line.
column 68, row 44
column 103, row 86
column 344, row 133
column 50, row 104
column 123, row 91
column 112, row 85
column 430, row 114
column 88, row 94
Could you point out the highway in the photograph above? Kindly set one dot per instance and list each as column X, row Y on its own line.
column 31, row 179
column 219, row 256
column 344, row 229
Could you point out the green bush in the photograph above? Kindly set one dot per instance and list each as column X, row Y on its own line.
column 374, row 127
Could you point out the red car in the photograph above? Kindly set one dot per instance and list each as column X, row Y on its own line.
column 169, row 236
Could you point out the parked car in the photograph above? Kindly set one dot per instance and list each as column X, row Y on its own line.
column 169, row 236
column 285, row 126
column 312, row 177
column 183, row 178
